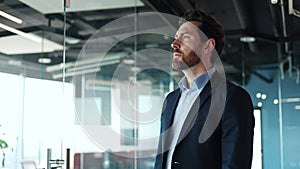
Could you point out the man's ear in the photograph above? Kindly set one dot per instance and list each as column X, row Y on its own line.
column 210, row 45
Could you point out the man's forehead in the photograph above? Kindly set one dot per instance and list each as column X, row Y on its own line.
column 187, row 27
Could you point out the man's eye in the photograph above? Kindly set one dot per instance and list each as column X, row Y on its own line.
column 185, row 36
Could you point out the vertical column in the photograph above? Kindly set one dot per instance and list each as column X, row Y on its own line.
column 48, row 158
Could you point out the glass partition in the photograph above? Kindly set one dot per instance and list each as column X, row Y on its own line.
column 83, row 86
column 71, row 73
column 120, row 85
column 274, row 89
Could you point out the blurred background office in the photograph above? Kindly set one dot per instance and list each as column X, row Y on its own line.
column 82, row 82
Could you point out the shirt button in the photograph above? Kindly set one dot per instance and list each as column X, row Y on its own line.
column 176, row 165
column 175, row 162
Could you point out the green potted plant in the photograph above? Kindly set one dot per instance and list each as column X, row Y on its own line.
column 3, row 146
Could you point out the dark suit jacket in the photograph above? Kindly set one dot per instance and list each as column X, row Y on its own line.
column 229, row 136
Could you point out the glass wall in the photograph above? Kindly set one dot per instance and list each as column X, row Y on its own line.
column 101, row 93
column 274, row 89
column 97, row 93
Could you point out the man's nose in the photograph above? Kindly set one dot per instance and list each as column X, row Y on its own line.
column 175, row 44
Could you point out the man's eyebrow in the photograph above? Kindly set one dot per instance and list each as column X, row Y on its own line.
column 180, row 34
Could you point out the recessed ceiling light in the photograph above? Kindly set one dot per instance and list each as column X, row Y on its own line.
column 166, row 37
column 135, row 69
column 152, row 45
column 274, row 1
column 72, row 41
column 44, row 60
column 15, row 62
column 129, row 61
column 247, row 39
column 263, row 96
column 258, row 95
column 259, row 104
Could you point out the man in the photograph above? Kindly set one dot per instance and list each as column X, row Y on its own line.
column 208, row 122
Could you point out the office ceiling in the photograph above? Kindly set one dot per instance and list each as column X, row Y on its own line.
column 276, row 33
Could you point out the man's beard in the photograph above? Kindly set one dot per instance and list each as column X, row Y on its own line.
column 187, row 61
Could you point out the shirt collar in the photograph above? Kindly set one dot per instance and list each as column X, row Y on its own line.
column 198, row 82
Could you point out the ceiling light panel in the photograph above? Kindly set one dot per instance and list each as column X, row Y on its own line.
column 56, row 6
column 16, row 31
column 17, row 44
column 11, row 17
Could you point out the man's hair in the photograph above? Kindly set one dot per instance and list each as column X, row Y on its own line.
column 208, row 25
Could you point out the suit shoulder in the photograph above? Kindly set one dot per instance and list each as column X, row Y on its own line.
column 236, row 89
column 230, row 86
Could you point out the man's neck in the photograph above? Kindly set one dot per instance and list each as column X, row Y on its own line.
column 194, row 72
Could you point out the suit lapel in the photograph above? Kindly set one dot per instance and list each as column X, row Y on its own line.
column 170, row 109
column 219, row 85
column 194, row 111
column 168, row 117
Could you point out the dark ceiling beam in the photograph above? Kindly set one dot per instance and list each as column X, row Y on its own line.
column 179, row 7
column 276, row 19
column 230, row 34
column 12, row 5
column 158, row 5
column 75, row 22
column 234, row 34
column 263, row 36
column 241, row 13
column 174, row 7
column 59, row 17
column 111, row 14
column 83, row 22
column 237, row 33
column 61, row 32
